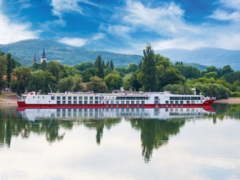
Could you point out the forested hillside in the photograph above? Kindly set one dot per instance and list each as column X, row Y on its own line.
column 23, row 52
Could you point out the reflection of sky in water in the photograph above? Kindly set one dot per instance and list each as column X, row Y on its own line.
column 201, row 150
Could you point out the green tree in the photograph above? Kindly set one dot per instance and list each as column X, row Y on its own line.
column 113, row 81
column 20, row 79
column 96, row 85
column 84, row 65
column 134, row 81
column 172, row 76
column 3, row 69
column 148, row 69
column 40, row 80
column 87, row 74
column 132, row 67
column 111, row 64
column 99, row 64
column 65, row 84
column 43, row 66
column 54, row 68
column 77, row 86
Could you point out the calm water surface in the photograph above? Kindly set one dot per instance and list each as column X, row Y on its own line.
column 120, row 144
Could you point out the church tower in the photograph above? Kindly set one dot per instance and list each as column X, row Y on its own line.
column 43, row 56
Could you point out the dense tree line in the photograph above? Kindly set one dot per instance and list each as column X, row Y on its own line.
column 153, row 73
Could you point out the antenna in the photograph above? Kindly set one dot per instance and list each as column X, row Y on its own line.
column 50, row 88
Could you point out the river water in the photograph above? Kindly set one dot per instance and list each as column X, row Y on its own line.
column 120, row 144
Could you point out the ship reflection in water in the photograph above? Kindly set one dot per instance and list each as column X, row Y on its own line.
column 83, row 114
column 155, row 125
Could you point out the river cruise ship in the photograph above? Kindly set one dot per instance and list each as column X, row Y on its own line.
column 116, row 99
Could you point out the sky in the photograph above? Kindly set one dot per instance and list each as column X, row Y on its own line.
column 123, row 26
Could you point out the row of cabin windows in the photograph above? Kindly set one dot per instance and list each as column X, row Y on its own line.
column 131, row 98
column 80, row 98
column 181, row 102
column 97, row 102
column 185, row 98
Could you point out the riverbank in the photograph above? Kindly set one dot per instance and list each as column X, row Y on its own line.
column 228, row 101
column 8, row 100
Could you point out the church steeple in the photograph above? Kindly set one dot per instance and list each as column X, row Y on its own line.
column 43, row 56
column 34, row 59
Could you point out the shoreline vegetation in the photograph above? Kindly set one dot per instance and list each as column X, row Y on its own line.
column 12, row 101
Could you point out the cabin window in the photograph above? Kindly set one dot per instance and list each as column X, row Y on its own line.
column 58, row 98
column 58, row 112
column 74, row 98
column 112, row 102
column 80, row 98
column 142, row 102
column 85, row 98
column 85, row 102
column 166, row 102
column 63, row 112
column 52, row 98
column 91, row 98
column 69, row 102
column 171, row 102
column 63, row 102
column 117, row 102
column 75, row 102
column 107, row 102
column 176, row 102
column 96, row 102
column 63, row 98
column 58, row 102
column 91, row 102
column 127, row 102
column 132, row 102
column 80, row 102
column 96, row 98
column 188, row 102
column 122, row 102
column 69, row 98
column 137, row 102
column 193, row 102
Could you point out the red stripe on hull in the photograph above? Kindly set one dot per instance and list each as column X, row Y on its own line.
column 205, row 105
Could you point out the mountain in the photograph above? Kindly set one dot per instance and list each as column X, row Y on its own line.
column 23, row 51
column 205, row 56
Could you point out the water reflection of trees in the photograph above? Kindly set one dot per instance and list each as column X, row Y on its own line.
column 229, row 110
column 155, row 133
column 99, row 125
column 13, row 124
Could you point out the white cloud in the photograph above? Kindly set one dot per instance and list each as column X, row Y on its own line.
column 98, row 36
column 74, row 41
column 228, row 10
column 12, row 32
column 58, row 22
column 166, row 27
column 63, row 6
column 164, row 19
column 116, row 30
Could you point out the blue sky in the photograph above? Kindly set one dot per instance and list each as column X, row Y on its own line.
column 124, row 26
